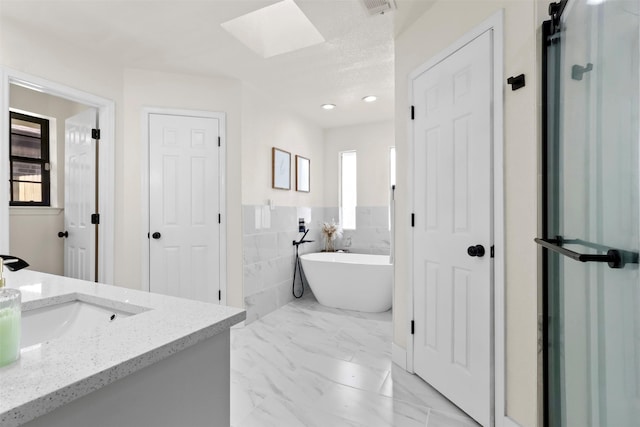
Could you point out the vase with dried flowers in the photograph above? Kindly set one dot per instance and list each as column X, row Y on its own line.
column 330, row 232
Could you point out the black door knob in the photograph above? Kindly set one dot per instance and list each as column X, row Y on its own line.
column 477, row 250
column 61, row 234
column 156, row 235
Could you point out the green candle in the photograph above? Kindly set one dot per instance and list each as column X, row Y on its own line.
column 9, row 325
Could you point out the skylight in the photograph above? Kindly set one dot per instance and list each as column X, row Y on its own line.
column 276, row 29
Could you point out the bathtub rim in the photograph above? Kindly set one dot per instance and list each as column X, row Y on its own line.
column 348, row 258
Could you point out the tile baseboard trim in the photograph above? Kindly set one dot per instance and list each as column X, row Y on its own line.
column 508, row 422
column 239, row 325
column 399, row 356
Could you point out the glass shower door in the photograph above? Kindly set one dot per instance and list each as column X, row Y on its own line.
column 593, row 233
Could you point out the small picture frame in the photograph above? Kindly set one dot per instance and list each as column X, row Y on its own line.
column 303, row 174
column 280, row 169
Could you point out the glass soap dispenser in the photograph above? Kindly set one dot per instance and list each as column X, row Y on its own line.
column 10, row 317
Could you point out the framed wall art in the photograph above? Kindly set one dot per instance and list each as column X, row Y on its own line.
column 280, row 169
column 303, row 170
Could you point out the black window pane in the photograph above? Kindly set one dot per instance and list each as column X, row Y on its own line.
column 24, row 127
column 24, row 171
column 29, row 155
column 25, row 146
column 27, row 192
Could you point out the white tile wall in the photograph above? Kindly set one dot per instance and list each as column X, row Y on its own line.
column 372, row 234
column 269, row 255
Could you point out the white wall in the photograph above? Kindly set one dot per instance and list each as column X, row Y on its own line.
column 449, row 20
column 34, row 237
column 264, row 126
column 371, row 142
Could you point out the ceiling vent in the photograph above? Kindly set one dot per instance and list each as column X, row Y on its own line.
column 376, row 7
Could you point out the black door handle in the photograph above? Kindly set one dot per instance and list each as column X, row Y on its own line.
column 156, row 235
column 477, row 250
column 615, row 258
column 61, row 234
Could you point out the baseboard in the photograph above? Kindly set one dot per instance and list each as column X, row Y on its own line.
column 399, row 356
column 239, row 325
column 508, row 422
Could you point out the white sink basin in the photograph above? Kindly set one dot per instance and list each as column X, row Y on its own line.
column 69, row 318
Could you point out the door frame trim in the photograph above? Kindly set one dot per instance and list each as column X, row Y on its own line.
column 106, row 170
column 495, row 24
column 222, row 183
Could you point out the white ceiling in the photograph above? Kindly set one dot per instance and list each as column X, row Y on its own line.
column 185, row 36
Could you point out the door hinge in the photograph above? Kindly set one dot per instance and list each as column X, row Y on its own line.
column 413, row 220
column 413, row 327
column 218, row 141
column 219, row 295
column 95, row 218
column 493, row 254
column 413, row 112
column 219, row 219
column 95, row 133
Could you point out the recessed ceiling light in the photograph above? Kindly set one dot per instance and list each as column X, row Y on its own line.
column 328, row 106
column 369, row 98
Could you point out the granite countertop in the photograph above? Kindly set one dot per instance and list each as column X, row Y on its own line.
column 58, row 371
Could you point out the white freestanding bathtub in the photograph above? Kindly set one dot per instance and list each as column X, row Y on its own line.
column 359, row 282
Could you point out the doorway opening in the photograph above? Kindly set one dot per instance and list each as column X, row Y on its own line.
column 183, row 171
column 39, row 233
column 458, row 255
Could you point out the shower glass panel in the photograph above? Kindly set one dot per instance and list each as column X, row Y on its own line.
column 592, row 215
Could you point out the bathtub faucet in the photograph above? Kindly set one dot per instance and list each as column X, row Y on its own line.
column 301, row 241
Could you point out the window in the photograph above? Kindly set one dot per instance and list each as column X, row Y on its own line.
column 348, row 190
column 392, row 166
column 392, row 177
column 29, row 160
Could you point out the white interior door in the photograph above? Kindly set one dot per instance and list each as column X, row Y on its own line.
column 184, row 205
column 80, row 196
column 453, row 214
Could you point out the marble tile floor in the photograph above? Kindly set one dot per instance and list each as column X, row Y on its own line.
column 312, row 366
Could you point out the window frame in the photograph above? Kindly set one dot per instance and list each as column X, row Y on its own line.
column 43, row 161
column 392, row 166
column 340, row 198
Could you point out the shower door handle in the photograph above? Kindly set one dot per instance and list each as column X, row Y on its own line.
column 615, row 258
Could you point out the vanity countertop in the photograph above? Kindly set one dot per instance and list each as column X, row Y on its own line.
column 58, row 371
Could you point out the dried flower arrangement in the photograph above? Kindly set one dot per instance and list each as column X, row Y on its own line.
column 330, row 232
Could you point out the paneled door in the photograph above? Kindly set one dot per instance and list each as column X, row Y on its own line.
column 452, row 240
column 80, row 196
column 184, row 206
